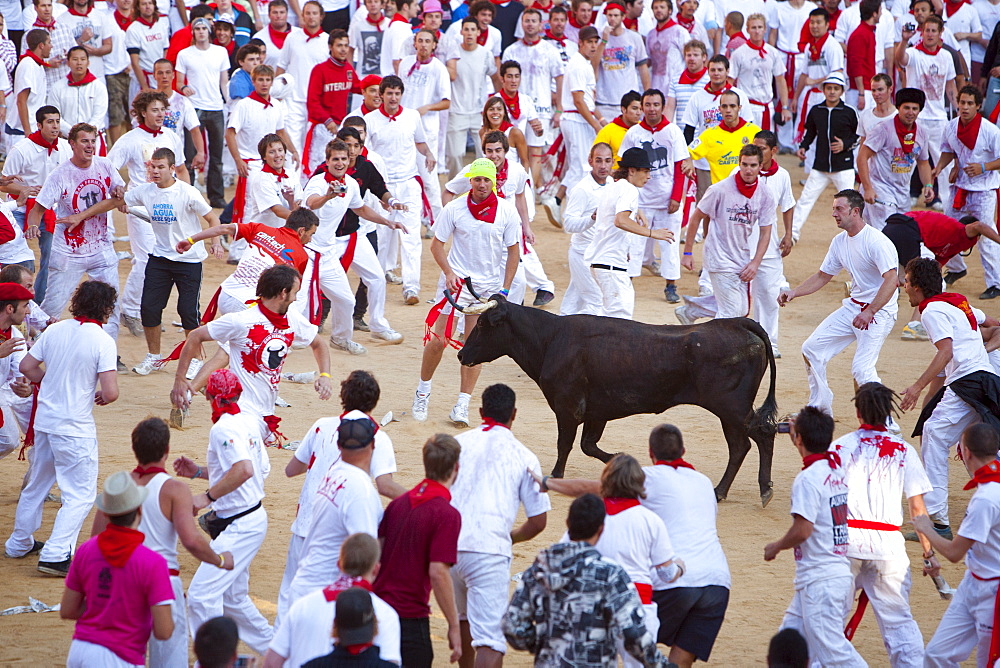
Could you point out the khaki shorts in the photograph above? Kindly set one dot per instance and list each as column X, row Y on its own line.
column 118, row 102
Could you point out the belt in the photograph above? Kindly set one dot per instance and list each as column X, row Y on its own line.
column 607, row 267
column 174, row 572
column 645, row 592
column 874, row 526
column 233, row 518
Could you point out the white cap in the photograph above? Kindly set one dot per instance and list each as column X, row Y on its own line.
column 835, row 78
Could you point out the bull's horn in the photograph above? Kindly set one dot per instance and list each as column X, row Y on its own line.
column 476, row 309
column 468, row 286
column 451, row 300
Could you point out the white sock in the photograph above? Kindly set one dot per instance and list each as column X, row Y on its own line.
column 424, row 387
column 463, row 398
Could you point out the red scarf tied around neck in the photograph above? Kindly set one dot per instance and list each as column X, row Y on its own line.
column 613, row 505
column 907, row 136
column 560, row 40
column 489, row 423
column 813, row 44
column 37, row 138
column 485, row 211
column 675, row 463
column 427, row 490
column 952, row 7
column 86, row 79
column 513, row 104
column 758, row 49
column 257, row 98
column 956, row 300
column 330, row 178
column 715, row 94
column 746, row 189
column 277, row 38
column 692, row 78
column 687, row 24
column 268, row 169
column 988, row 473
column 34, row 56
column 118, row 543
column 771, row 169
column 832, row 458
column 968, row 133
column 659, row 126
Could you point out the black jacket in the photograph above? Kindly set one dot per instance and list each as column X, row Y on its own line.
column 826, row 123
column 369, row 180
column 341, row 658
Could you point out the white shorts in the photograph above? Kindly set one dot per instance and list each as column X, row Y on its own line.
column 482, row 589
column 465, row 297
column 83, row 654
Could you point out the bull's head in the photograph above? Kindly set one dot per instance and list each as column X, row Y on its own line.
column 490, row 338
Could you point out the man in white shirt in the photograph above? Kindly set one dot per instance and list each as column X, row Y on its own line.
column 202, row 75
column 867, row 316
column 78, row 356
column 398, row 35
column 304, row 49
column 819, row 537
column 81, row 97
column 470, row 66
column 756, row 67
column 787, row 23
column 366, row 34
column 180, row 116
column 964, row 23
column 583, row 294
column 821, row 56
column 117, row 67
column 623, row 64
column 275, row 32
column 15, row 306
column 581, row 119
column 30, row 85
column 495, row 485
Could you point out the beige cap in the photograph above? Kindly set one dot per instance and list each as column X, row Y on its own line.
column 121, row 495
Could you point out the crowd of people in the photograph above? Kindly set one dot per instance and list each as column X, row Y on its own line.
column 344, row 130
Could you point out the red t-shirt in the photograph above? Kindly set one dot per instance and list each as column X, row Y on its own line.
column 330, row 86
column 861, row 55
column 943, row 235
column 412, row 538
column 180, row 40
column 282, row 244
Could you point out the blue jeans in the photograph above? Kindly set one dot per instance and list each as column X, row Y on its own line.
column 45, row 246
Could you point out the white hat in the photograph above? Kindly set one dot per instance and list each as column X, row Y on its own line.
column 835, row 78
column 282, row 86
column 121, row 495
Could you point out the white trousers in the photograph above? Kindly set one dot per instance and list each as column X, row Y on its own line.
column 83, row 654
column 670, row 252
column 534, row 272
column 65, row 272
column 70, row 461
column 967, row 624
column 10, row 435
column 887, row 583
column 764, row 289
column 941, row 432
column 410, row 244
column 583, row 294
column 172, row 652
column 368, row 269
column 816, row 183
column 388, row 247
column 579, row 137
column 935, row 135
column 295, row 121
column 459, row 127
column 432, row 185
column 140, row 238
column 334, row 284
column 652, row 626
column 818, row 611
column 617, row 293
column 317, row 146
column 214, row 592
column 982, row 205
column 732, row 295
column 291, row 565
column 835, row 333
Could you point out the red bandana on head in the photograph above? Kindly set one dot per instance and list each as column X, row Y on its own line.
column 956, row 300
column 224, row 388
column 968, row 133
column 832, row 458
column 988, row 473
column 906, row 136
column 86, row 79
column 613, row 505
column 513, row 104
column 277, row 37
column 485, row 211
column 689, row 78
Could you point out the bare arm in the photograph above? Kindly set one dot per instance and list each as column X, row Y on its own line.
column 323, row 385
column 953, row 550
column 163, row 621
column 531, row 528
column 388, row 487
column 137, row 71
column 192, row 539
column 982, row 228
column 72, row 604
column 800, row 530
column 31, row 369
column 513, row 259
column 444, row 594
column 937, row 365
column 22, row 109
column 574, row 487
column 294, row 467
column 108, row 381
column 581, row 107
column 806, row 287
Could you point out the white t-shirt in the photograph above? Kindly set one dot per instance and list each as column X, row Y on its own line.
column 881, row 469
column 610, row 244
column 931, row 74
column 866, row 256
column 982, row 524
column 252, row 121
column 685, row 500
column 180, row 116
column 681, row 93
column 319, row 451
column 580, row 206
column 299, row 57
column 664, row 148
column 273, row 57
column 28, row 76
column 149, row 42
column 264, row 191
column 80, row 104
column 470, row 86
column 396, row 140
column 755, row 75
column 70, row 190
column 495, row 482
column 788, row 21
column 332, row 213
column 819, row 495
column 478, row 249
column 134, row 149
column 202, row 68
column 968, row 354
column 727, row 245
column 987, row 146
column 394, row 40
column 345, row 503
column 579, row 77
column 867, row 120
column 891, row 168
column 33, row 163
column 989, row 16
column 540, row 65
column 702, row 111
column 966, row 19
column 831, row 59
column 637, row 540
column 77, row 25
column 117, row 61
column 175, row 213
column 10, row 370
column 233, row 439
column 366, row 39
column 74, row 353
column 617, row 70
column 16, row 250
column 304, row 633
column 425, row 84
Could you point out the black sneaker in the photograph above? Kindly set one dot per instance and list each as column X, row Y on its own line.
column 543, row 297
column 360, row 325
column 57, row 568
column 34, row 548
column 953, row 276
column 992, row 292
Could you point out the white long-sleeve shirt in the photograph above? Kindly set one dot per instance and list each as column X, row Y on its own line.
column 80, row 104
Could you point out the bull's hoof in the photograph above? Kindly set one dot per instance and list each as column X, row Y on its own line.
column 765, row 497
column 719, row 496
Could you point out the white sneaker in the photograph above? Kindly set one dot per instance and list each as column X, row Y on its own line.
column 411, row 298
column 419, row 408
column 124, row 255
column 193, row 369
column 348, row 346
column 134, row 324
column 460, row 415
column 392, row 279
column 683, row 317
column 304, row 378
column 281, row 403
column 389, row 336
column 148, row 365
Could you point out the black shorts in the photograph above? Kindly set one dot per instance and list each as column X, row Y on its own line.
column 163, row 274
column 904, row 233
column 690, row 617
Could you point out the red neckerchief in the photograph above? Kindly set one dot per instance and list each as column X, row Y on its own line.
column 342, row 584
column 391, row 117
column 758, row 49
column 123, row 21
column 725, row 128
column 365, row 110
column 561, row 40
column 143, row 470
column 34, row 57
column 676, row 463
column 355, row 650
column 364, row 151
column 485, row 211
column 330, row 178
column 72, row 10
column 614, row 505
column 397, row 17
column 44, row 26
column 543, row 8
column 5, row 334
column 377, row 24
column 956, row 300
column 36, row 137
column 489, row 423
column 669, row 23
column 746, row 189
column 502, row 172
column 988, row 473
column 687, row 24
column 276, row 320
column 952, row 7
column 228, row 47
column 815, row 45
column 873, row 427
column 155, row 133
column 223, row 407
column 513, row 104
column 833, row 19
column 923, row 49
column 505, row 125
column 86, row 79
column 524, row 40
column 417, row 63
column 257, row 98
column 278, row 37
column 82, row 321
column 662, row 124
column 312, row 36
column 483, row 36
column 630, row 24
column 572, row 21
column 831, row 457
column 118, row 543
column 968, row 134
column 688, row 78
column 726, row 86
column 425, row 491
column 148, row 24
column 270, row 170
column 907, row 137
column 770, row 171
column 619, row 122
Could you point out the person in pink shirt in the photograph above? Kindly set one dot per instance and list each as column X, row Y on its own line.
column 117, row 589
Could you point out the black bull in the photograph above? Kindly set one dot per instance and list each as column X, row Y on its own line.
column 593, row 369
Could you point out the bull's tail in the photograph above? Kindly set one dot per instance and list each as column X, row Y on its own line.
column 763, row 422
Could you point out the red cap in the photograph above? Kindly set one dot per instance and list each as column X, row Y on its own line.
column 14, row 292
column 370, row 80
column 614, row 5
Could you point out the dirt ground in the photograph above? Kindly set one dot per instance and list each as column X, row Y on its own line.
column 760, row 590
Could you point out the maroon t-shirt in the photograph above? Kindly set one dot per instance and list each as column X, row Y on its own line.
column 413, row 536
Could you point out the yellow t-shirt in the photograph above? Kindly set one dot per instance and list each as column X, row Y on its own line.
column 722, row 148
column 612, row 134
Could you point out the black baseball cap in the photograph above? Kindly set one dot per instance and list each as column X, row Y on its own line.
column 636, row 158
column 355, row 617
column 355, row 434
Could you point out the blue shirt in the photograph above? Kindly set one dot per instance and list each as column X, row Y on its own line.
column 240, row 84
